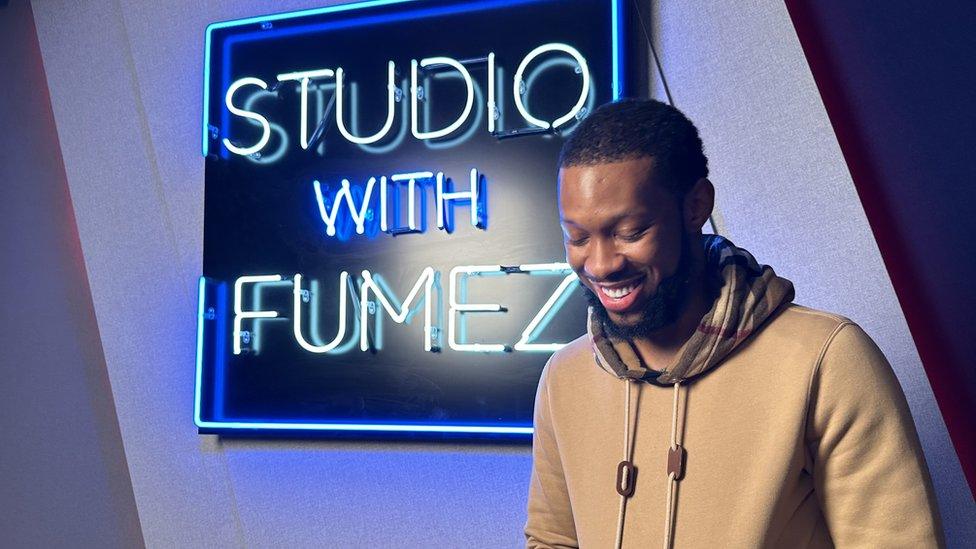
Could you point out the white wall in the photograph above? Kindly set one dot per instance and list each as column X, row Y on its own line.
column 125, row 81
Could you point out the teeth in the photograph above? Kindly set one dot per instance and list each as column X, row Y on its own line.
column 618, row 293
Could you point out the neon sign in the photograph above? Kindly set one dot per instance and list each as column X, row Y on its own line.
column 381, row 252
column 416, row 91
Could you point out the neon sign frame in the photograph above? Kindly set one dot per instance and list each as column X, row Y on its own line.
column 616, row 34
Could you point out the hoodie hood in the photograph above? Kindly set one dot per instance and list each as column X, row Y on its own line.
column 748, row 295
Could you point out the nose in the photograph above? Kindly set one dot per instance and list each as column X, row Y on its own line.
column 603, row 260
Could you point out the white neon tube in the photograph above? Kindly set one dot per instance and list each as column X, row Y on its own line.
column 413, row 97
column 544, row 267
column 425, row 281
column 265, row 126
column 391, row 89
column 304, row 77
column 276, row 155
column 384, row 225
column 584, row 69
column 411, row 179
column 240, row 314
column 491, row 92
column 297, row 311
column 442, row 197
column 344, row 194
column 461, row 308
column 552, row 304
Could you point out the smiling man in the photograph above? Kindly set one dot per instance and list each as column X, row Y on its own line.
column 703, row 408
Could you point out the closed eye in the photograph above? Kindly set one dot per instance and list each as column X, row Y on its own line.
column 634, row 236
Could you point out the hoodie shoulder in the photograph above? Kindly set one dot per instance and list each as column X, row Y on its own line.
column 575, row 359
column 798, row 331
column 801, row 317
column 572, row 376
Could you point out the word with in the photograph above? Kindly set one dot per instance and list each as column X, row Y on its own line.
column 358, row 203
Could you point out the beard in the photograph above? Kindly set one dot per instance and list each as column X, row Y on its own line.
column 662, row 309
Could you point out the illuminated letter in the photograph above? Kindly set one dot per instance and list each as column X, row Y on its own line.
column 265, row 127
column 491, row 92
column 554, row 46
column 460, row 308
column 240, row 315
column 358, row 215
column 426, row 281
column 391, row 89
column 549, row 309
column 444, row 218
column 304, row 77
column 411, row 179
column 274, row 156
column 297, row 324
column 413, row 96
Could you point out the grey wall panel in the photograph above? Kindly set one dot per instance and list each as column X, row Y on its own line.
column 142, row 285
column 65, row 481
column 379, row 494
column 126, row 89
column 785, row 193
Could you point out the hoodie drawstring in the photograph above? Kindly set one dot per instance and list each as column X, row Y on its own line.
column 626, row 472
column 676, row 460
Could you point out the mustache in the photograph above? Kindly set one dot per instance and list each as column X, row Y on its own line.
column 617, row 277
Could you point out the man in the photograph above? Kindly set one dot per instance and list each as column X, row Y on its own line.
column 703, row 408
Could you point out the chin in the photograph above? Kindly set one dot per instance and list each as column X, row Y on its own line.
column 625, row 320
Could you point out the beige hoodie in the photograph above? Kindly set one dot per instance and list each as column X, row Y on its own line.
column 777, row 426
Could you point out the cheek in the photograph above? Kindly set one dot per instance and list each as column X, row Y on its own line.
column 644, row 257
column 575, row 257
column 647, row 256
column 659, row 255
column 643, row 253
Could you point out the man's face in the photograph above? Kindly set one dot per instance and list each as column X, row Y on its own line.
column 624, row 237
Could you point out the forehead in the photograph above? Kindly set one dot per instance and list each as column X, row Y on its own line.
column 596, row 192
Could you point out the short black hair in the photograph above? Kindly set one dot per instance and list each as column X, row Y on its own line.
column 633, row 128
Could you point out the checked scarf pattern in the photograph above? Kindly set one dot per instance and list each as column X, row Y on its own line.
column 749, row 294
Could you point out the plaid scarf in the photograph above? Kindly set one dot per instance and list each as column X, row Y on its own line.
column 749, row 294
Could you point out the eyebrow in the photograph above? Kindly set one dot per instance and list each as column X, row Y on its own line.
column 612, row 221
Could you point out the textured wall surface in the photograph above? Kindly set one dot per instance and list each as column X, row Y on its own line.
column 125, row 81
column 64, row 481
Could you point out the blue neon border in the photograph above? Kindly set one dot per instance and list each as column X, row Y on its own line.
column 616, row 17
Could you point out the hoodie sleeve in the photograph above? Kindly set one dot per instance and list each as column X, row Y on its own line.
column 869, row 472
column 550, row 516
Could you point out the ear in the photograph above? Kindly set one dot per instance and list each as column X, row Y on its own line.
column 698, row 204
